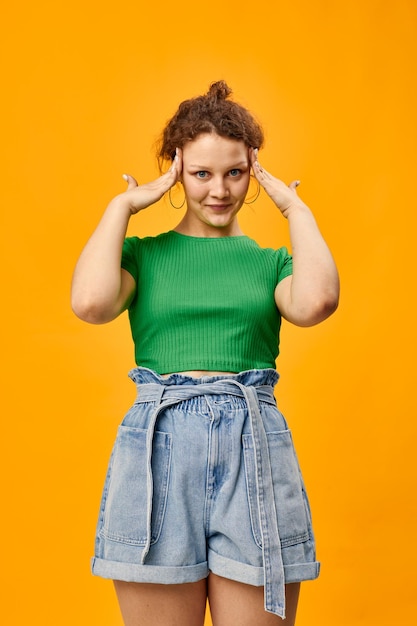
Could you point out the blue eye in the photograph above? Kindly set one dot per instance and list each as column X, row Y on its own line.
column 234, row 172
column 201, row 174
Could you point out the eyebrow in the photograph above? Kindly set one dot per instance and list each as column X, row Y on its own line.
column 204, row 167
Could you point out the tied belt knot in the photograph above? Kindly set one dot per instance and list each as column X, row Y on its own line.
column 165, row 396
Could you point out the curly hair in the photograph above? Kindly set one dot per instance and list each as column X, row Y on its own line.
column 211, row 113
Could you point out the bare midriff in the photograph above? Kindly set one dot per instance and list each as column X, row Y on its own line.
column 199, row 373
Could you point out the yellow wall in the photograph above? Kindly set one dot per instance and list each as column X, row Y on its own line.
column 85, row 91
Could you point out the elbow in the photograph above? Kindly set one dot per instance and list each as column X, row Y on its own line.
column 321, row 309
column 89, row 311
column 313, row 310
column 328, row 306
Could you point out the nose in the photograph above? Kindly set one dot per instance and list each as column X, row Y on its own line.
column 219, row 188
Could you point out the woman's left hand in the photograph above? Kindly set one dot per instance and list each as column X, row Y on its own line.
column 284, row 196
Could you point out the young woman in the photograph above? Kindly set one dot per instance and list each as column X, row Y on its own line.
column 204, row 498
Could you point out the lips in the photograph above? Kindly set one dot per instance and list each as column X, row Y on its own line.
column 218, row 207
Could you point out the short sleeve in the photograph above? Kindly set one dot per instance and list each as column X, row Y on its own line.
column 130, row 256
column 284, row 264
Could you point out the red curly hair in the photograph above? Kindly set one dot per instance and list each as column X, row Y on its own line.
column 211, row 113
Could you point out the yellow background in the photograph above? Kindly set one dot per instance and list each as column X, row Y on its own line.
column 85, row 92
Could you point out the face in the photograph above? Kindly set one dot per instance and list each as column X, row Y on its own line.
column 215, row 175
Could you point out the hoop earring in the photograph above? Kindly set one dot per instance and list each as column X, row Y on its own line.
column 258, row 191
column 172, row 204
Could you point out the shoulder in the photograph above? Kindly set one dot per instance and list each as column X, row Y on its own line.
column 136, row 244
column 279, row 260
column 279, row 256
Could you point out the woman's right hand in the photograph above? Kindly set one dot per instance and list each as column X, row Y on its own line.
column 139, row 197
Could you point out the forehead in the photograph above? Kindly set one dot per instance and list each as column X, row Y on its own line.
column 213, row 149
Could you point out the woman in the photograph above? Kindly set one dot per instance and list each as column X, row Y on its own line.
column 204, row 497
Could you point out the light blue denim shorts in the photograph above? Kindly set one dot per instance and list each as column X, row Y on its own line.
column 204, row 477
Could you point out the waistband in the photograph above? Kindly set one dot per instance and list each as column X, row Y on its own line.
column 253, row 386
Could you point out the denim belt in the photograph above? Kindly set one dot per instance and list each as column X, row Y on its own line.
column 166, row 396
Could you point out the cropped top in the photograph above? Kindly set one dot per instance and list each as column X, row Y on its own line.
column 204, row 303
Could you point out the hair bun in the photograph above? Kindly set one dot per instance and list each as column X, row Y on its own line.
column 219, row 91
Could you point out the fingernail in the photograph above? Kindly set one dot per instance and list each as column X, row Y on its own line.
column 297, row 182
column 125, row 177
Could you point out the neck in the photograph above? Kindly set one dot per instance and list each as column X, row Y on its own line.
column 208, row 230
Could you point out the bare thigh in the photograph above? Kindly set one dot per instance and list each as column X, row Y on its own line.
column 145, row 604
column 234, row 603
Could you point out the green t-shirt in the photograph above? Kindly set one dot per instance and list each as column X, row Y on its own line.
column 204, row 303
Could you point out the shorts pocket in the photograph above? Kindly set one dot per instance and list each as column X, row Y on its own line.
column 289, row 494
column 124, row 517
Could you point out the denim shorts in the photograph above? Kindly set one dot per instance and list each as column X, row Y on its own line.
column 204, row 477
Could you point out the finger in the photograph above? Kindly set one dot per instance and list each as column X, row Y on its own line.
column 173, row 174
column 131, row 182
column 294, row 185
column 258, row 170
column 253, row 155
column 177, row 162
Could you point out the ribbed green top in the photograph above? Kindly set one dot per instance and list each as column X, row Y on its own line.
column 204, row 303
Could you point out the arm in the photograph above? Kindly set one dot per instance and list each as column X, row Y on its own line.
column 311, row 294
column 101, row 289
